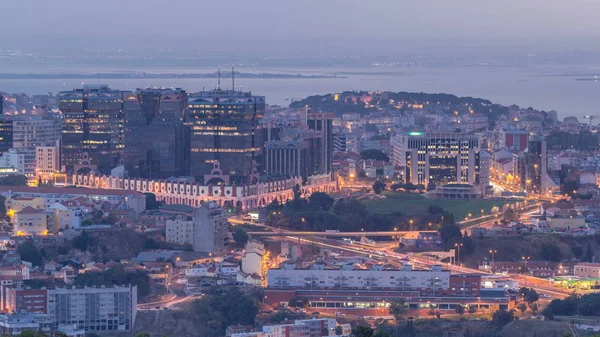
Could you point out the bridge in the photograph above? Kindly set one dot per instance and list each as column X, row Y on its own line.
column 334, row 234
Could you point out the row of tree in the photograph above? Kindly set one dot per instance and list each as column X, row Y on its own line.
column 585, row 305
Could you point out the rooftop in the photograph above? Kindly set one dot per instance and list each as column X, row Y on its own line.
column 66, row 190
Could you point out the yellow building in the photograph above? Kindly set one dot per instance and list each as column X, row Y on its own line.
column 19, row 203
column 30, row 221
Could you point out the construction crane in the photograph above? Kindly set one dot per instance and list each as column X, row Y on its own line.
column 591, row 118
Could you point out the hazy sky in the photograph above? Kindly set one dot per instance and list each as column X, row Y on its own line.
column 288, row 19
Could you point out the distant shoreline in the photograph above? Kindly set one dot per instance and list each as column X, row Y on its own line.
column 135, row 75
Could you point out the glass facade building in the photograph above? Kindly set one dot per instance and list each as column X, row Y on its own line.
column 93, row 130
column 226, row 128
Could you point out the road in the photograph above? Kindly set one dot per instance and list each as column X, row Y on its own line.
column 281, row 232
column 540, row 285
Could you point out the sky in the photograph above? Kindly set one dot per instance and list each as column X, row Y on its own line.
column 57, row 21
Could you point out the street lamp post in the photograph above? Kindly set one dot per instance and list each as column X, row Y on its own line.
column 525, row 259
column 492, row 251
column 458, row 245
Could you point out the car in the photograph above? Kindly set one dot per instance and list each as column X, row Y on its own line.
column 316, row 313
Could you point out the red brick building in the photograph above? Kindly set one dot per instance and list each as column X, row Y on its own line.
column 30, row 300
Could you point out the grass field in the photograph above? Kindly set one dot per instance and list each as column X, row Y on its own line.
column 413, row 203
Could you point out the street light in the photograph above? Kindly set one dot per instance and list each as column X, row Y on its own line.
column 458, row 245
column 492, row 251
column 525, row 259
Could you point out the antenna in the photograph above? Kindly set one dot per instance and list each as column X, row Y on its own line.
column 219, row 79
column 233, row 77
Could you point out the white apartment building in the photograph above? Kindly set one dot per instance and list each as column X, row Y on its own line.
column 94, row 309
column 345, row 278
column 206, row 231
column 30, row 133
column 300, row 328
column 180, row 231
column 12, row 162
column 47, row 161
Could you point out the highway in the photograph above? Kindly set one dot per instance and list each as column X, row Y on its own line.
column 280, row 232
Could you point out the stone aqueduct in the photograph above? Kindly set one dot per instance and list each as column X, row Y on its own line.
column 245, row 196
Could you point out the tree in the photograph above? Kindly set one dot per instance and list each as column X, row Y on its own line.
column 398, row 309
column 151, row 202
column 220, row 308
column 362, row 331
column 569, row 187
column 297, row 192
column 587, row 257
column 322, row 200
column 293, row 303
column 240, row 237
column 82, row 242
column 409, row 187
column 534, row 307
column 3, row 214
column 381, row 333
column 472, row 309
column 431, row 310
column 16, row 180
column 589, row 305
column 450, row 234
column 374, row 154
column 394, row 187
column 143, row 334
column 529, row 295
column 338, row 330
column 502, row 317
column 551, row 252
column 460, row 309
column 325, row 332
column 378, row 187
column 522, row 307
column 29, row 252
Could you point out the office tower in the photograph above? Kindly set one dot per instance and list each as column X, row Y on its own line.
column 210, row 229
column 225, row 128
column 6, row 133
column 322, row 123
column 296, row 154
column 533, row 166
column 31, row 132
column 398, row 149
column 441, row 158
column 92, row 127
column 94, row 309
column 156, row 141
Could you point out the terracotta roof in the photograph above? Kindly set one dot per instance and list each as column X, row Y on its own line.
column 588, row 264
column 29, row 209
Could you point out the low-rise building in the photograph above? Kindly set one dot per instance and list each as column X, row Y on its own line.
column 434, row 281
column 587, row 270
column 128, row 199
column 30, row 221
column 15, row 324
column 206, row 231
column 299, row 328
